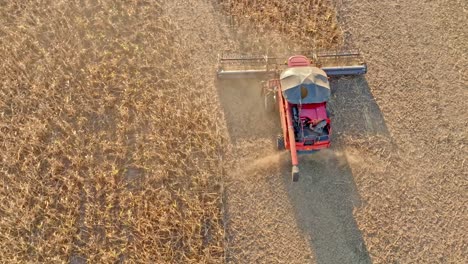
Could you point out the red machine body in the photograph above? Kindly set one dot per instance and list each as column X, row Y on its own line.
column 299, row 120
column 298, row 90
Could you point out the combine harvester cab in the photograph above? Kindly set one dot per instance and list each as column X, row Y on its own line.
column 300, row 89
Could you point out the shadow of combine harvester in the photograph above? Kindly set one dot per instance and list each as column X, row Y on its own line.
column 325, row 197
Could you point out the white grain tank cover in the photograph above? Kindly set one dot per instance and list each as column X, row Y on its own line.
column 305, row 85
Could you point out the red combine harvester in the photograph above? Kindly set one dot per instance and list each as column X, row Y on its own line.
column 299, row 90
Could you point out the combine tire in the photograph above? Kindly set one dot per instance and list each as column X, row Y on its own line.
column 280, row 142
column 269, row 103
column 295, row 173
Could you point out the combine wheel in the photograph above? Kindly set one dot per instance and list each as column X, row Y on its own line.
column 295, row 173
column 280, row 142
column 269, row 102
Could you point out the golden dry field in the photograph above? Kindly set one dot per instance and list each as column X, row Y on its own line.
column 108, row 151
column 308, row 24
column 118, row 144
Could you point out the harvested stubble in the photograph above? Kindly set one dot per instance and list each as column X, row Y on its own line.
column 411, row 177
column 99, row 161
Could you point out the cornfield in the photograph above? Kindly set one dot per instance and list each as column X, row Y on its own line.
column 114, row 140
column 99, row 161
column 282, row 26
